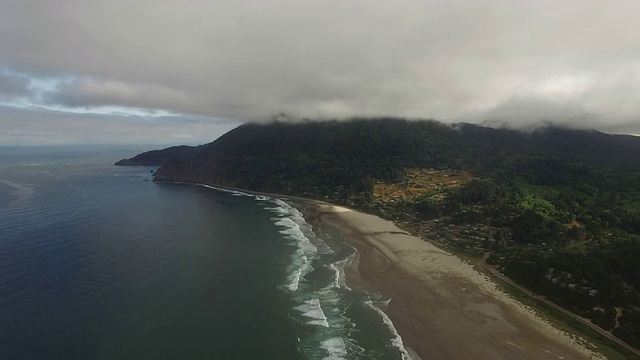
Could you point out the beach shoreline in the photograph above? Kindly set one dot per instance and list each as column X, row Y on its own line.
column 441, row 306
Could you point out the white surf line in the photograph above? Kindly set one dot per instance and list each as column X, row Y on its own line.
column 396, row 339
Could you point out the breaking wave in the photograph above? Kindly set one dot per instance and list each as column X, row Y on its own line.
column 328, row 313
column 322, row 301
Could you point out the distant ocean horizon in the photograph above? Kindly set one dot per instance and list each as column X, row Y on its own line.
column 98, row 262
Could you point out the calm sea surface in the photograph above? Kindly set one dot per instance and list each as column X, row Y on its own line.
column 97, row 262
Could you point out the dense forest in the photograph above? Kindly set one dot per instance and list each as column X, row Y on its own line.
column 157, row 157
column 557, row 209
column 337, row 159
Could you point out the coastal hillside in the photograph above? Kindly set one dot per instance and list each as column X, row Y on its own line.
column 556, row 210
column 157, row 157
column 343, row 160
column 337, row 159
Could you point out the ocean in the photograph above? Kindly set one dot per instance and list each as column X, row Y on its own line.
column 99, row 262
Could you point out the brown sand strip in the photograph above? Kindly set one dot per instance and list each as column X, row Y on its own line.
column 441, row 306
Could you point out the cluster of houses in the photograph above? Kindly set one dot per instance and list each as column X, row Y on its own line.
column 476, row 238
column 566, row 280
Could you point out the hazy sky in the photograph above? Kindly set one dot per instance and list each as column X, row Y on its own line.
column 170, row 71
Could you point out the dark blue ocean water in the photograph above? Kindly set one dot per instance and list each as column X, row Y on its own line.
column 96, row 262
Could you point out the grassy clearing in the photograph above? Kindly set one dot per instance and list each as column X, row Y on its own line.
column 421, row 181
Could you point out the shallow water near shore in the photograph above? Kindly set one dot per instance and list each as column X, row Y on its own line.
column 97, row 263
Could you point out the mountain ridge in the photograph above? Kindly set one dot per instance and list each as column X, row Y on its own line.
column 392, row 143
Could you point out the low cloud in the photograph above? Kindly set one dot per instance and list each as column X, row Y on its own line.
column 573, row 62
column 91, row 92
column 605, row 101
column 44, row 127
column 14, row 86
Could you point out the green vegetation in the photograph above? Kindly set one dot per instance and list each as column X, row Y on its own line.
column 558, row 209
column 567, row 323
column 157, row 157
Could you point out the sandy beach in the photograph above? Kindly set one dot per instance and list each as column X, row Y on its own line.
column 441, row 306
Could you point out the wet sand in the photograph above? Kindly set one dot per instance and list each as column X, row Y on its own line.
column 440, row 305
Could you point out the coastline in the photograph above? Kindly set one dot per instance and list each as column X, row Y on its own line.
column 440, row 305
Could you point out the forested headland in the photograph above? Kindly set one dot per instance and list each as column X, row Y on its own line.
column 157, row 157
column 557, row 209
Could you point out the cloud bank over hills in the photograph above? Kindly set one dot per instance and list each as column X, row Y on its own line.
column 159, row 63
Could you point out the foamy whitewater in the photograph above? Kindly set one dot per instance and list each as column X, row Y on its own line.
column 316, row 281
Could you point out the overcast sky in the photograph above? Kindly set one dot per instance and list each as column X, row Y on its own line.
column 162, row 71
